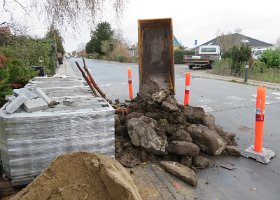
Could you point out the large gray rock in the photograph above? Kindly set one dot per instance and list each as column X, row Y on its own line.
column 208, row 140
column 233, row 151
column 170, row 105
column 181, row 171
column 194, row 115
column 181, row 135
column 142, row 132
column 209, row 121
column 183, row 148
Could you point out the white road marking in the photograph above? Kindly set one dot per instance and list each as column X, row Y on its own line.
column 205, row 101
column 255, row 95
column 276, row 93
column 235, row 98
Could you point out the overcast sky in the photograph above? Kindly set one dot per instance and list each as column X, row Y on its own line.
column 199, row 19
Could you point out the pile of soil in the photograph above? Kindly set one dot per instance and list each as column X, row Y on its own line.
column 154, row 127
column 82, row 176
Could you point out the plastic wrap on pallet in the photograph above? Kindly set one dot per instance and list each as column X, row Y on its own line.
column 30, row 141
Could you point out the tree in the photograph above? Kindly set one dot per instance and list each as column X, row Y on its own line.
column 54, row 35
column 102, row 33
column 64, row 12
column 278, row 42
column 239, row 56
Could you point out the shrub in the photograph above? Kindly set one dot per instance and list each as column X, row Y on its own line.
column 120, row 58
column 271, row 58
column 13, row 75
column 239, row 56
column 16, row 60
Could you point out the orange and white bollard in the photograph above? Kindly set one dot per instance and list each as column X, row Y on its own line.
column 187, row 88
column 260, row 107
column 130, row 89
column 257, row 151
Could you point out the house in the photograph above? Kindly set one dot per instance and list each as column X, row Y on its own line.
column 5, row 30
column 133, row 51
column 228, row 41
column 176, row 43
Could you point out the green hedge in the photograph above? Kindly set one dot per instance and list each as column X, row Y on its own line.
column 271, row 58
column 179, row 55
column 18, row 56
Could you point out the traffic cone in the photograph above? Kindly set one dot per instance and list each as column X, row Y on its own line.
column 257, row 151
column 187, row 88
column 130, row 89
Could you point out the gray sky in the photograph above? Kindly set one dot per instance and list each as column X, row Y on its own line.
column 200, row 19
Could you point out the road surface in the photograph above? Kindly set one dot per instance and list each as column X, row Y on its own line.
column 233, row 106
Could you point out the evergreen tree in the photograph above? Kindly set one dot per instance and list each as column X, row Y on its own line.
column 102, row 33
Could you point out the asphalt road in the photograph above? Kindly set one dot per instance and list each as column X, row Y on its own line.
column 233, row 106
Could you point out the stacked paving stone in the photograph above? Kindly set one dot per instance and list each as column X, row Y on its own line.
column 36, row 127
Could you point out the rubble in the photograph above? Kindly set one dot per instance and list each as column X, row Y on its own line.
column 180, row 171
column 201, row 162
column 233, row 151
column 208, row 140
column 160, row 129
column 183, row 148
column 143, row 132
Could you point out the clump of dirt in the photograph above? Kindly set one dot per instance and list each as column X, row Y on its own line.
column 156, row 128
column 82, row 176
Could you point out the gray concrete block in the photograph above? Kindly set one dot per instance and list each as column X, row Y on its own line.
column 24, row 91
column 41, row 94
column 16, row 103
column 10, row 98
column 35, row 105
column 263, row 157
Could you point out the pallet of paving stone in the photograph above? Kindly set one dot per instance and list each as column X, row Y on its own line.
column 30, row 141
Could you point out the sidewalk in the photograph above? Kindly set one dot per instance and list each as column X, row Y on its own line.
column 273, row 86
column 66, row 69
column 202, row 73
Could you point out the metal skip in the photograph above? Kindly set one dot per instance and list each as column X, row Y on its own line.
column 155, row 44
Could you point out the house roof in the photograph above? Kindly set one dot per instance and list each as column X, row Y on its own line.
column 240, row 39
column 5, row 30
column 175, row 42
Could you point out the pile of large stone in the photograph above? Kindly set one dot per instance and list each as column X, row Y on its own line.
column 179, row 138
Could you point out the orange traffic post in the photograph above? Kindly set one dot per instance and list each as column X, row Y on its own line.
column 187, row 88
column 257, row 151
column 130, row 89
column 260, row 107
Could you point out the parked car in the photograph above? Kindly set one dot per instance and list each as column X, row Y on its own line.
column 256, row 53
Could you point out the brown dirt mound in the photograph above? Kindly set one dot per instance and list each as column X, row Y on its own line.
column 82, row 176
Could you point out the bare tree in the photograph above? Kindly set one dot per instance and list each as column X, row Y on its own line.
column 66, row 12
column 237, row 30
column 227, row 41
